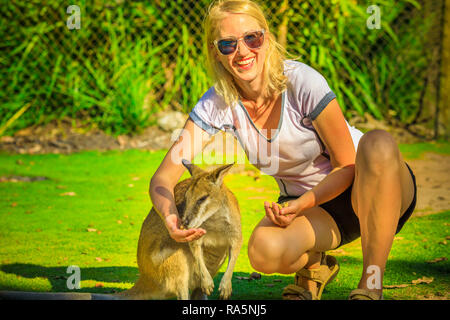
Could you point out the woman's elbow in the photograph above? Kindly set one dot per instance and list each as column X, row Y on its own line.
column 160, row 184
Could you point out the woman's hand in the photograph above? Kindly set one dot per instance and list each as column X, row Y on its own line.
column 179, row 235
column 283, row 215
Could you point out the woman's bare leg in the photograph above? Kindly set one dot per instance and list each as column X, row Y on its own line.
column 383, row 189
column 273, row 249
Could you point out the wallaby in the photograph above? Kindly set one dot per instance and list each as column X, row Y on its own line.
column 183, row 270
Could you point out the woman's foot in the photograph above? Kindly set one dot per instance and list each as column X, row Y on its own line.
column 365, row 294
column 372, row 286
column 310, row 282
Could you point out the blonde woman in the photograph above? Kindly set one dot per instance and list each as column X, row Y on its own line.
column 336, row 184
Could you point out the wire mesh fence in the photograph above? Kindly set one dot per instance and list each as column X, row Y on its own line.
column 118, row 63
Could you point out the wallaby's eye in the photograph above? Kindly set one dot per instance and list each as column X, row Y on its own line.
column 199, row 201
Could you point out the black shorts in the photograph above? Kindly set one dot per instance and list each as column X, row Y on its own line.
column 341, row 210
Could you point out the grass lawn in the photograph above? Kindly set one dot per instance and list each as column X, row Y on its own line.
column 90, row 209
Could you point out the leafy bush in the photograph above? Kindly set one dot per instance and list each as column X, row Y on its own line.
column 130, row 60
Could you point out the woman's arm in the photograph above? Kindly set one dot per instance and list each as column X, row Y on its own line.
column 190, row 142
column 333, row 130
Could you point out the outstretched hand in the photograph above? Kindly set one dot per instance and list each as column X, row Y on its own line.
column 181, row 235
column 283, row 215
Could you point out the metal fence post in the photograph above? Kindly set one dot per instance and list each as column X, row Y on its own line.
column 445, row 72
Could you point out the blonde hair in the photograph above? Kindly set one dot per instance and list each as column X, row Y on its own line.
column 224, row 83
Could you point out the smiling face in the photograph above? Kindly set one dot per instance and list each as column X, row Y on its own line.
column 245, row 65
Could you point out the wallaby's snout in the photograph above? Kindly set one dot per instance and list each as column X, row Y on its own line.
column 195, row 211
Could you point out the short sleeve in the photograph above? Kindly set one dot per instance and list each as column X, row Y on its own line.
column 312, row 91
column 204, row 114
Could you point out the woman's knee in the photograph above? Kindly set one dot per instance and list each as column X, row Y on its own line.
column 264, row 252
column 271, row 251
column 377, row 150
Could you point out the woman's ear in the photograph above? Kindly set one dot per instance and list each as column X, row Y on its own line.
column 268, row 36
column 212, row 47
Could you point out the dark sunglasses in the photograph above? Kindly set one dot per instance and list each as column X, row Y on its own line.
column 252, row 39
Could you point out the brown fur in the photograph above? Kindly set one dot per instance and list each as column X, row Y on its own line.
column 173, row 269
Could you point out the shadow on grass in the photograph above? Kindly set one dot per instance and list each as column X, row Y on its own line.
column 401, row 268
column 398, row 271
column 57, row 276
column 268, row 287
column 440, row 271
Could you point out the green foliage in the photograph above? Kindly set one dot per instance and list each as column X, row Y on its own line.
column 130, row 60
column 190, row 79
column 379, row 71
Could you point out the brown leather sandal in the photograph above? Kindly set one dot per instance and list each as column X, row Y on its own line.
column 364, row 294
column 323, row 275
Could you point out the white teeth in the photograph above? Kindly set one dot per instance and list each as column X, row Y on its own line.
column 245, row 62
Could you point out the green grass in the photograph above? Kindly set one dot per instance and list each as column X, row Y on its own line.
column 414, row 151
column 42, row 231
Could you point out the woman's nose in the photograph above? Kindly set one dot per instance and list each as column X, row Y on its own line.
column 242, row 48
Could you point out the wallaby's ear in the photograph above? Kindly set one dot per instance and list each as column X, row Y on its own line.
column 192, row 168
column 218, row 174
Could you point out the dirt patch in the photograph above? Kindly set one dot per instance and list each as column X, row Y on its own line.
column 68, row 136
column 433, row 183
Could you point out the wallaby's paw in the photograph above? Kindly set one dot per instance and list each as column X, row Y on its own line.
column 197, row 294
column 225, row 290
column 207, row 285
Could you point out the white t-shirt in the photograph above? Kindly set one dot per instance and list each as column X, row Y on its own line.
column 295, row 155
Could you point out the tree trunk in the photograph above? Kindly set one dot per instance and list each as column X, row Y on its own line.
column 444, row 102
